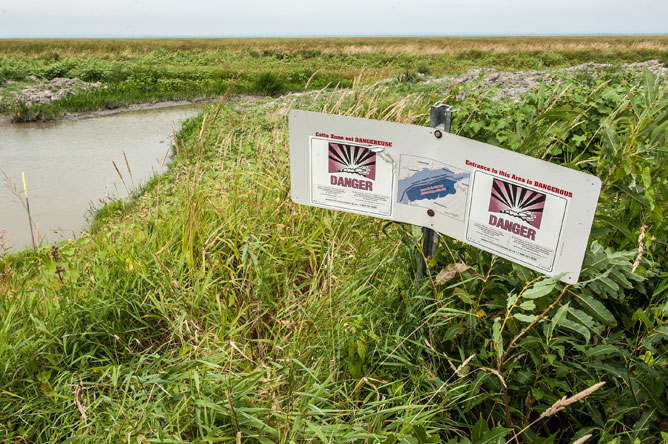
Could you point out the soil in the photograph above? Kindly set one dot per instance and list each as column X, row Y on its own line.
column 515, row 84
column 45, row 91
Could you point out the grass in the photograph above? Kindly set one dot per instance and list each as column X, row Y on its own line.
column 211, row 308
column 141, row 70
column 188, row 317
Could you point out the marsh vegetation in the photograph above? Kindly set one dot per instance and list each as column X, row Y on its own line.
column 153, row 70
column 208, row 307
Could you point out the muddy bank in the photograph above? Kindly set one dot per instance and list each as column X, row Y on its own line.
column 251, row 98
column 5, row 119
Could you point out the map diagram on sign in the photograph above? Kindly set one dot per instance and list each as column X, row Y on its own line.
column 425, row 182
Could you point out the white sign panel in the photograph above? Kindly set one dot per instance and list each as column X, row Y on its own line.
column 526, row 210
column 350, row 177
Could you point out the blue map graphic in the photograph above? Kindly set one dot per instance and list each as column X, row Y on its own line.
column 428, row 184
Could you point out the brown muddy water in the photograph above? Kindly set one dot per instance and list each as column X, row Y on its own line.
column 69, row 170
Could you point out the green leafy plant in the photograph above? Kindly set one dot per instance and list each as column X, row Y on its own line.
column 269, row 83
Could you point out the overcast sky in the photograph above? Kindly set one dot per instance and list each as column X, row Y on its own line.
column 130, row 18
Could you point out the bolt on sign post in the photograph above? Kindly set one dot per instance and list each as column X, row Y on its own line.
column 526, row 210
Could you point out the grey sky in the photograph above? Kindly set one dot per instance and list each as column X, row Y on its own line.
column 45, row 18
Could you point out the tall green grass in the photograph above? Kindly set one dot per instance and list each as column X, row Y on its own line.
column 211, row 308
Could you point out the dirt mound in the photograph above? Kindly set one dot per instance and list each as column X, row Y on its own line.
column 517, row 83
column 45, row 91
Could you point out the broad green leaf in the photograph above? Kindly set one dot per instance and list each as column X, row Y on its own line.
column 612, row 138
column 557, row 319
column 615, row 370
column 463, row 295
column 642, row 424
column 316, row 430
column 650, row 86
column 639, row 197
column 423, row 437
column 602, row 351
column 452, row 332
column 525, row 318
column 596, row 308
column 196, row 379
column 523, row 273
column 576, row 327
column 511, row 300
column 660, row 288
column 640, row 314
column 541, row 288
column 478, row 430
column 646, row 177
column 612, row 285
column 497, row 338
column 564, row 113
column 583, row 319
column 528, row 305
column 391, row 439
column 361, row 349
column 656, row 398
column 474, row 390
column 620, row 278
column 493, row 436
column 619, row 225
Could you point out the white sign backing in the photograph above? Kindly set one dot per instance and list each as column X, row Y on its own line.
column 526, row 210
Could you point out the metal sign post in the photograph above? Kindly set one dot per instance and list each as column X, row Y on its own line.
column 523, row 209
column 440, row 118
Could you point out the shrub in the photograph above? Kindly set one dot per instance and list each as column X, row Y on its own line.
column 424, row 69
column 268, row 83
column 407, row 77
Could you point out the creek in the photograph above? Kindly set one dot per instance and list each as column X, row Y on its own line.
column 69, row 168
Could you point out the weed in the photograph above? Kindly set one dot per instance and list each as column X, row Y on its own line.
column 269, row 83
column 408, row 77
column 424, row 69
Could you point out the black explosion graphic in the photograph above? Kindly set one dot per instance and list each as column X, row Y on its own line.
column 516, row 201
column 352, row 159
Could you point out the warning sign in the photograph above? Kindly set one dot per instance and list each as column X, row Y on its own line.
column 350, row 177
column 523, row 209
column 516, row 221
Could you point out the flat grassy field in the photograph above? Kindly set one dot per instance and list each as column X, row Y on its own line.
column 211, row 308
column 151, row 70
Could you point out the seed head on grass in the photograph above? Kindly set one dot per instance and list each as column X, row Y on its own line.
column 583, row 439
column 462, row 365
column 565, row 402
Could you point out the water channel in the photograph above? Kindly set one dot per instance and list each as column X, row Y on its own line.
column 69, row 168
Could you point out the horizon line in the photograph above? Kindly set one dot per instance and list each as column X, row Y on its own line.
column 233, row 36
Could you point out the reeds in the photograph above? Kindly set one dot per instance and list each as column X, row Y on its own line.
column 25, row 192
column 25, row 202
